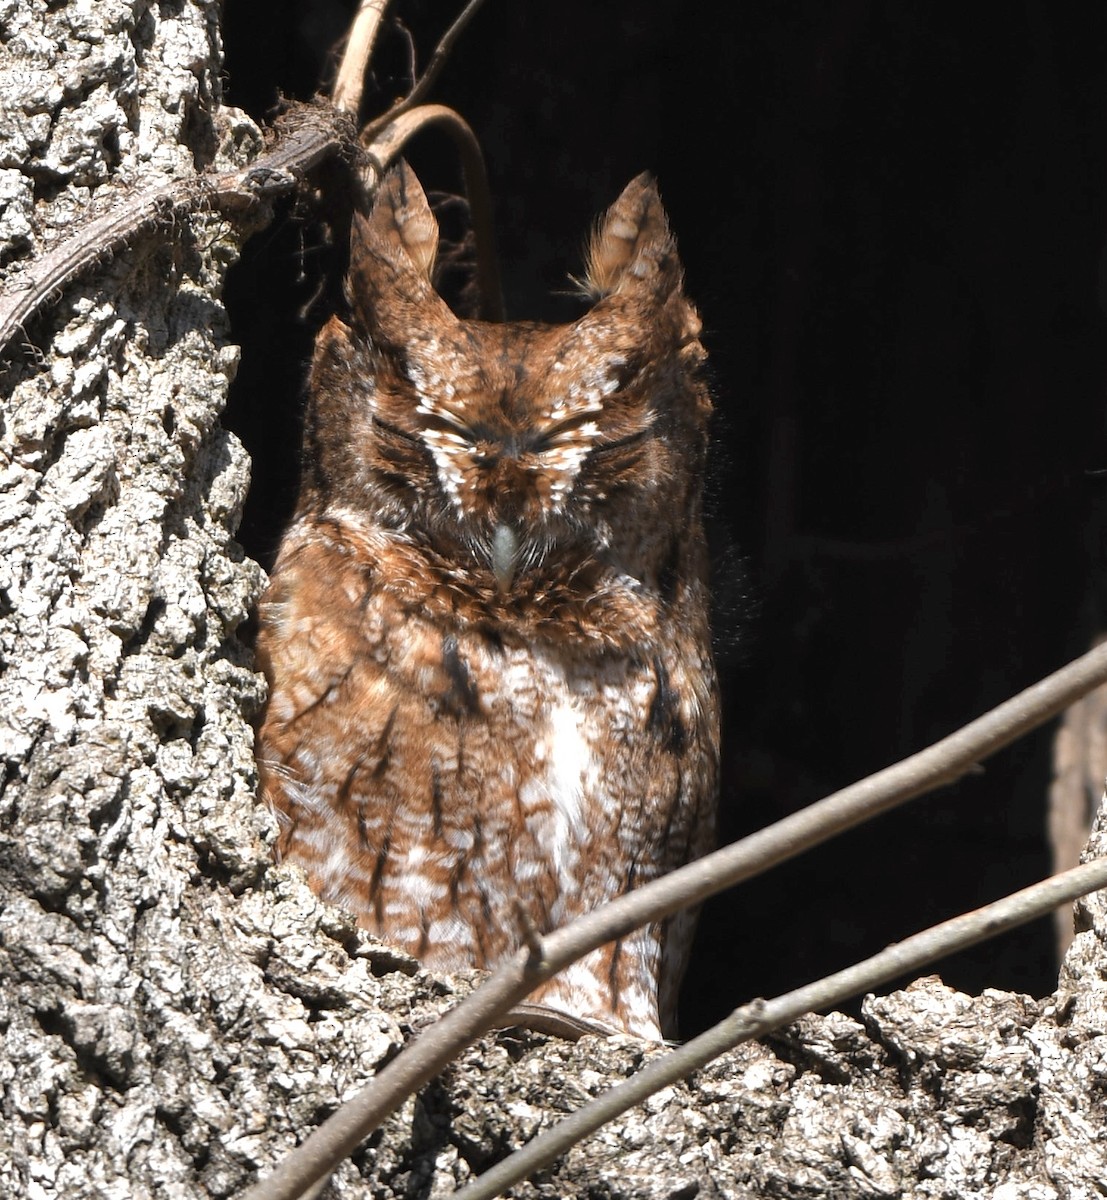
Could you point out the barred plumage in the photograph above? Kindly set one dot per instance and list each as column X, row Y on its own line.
column 486, row 632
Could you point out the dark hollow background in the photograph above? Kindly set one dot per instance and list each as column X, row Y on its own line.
column 892, row 219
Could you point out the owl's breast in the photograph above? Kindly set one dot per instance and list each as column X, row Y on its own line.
column 440, row 775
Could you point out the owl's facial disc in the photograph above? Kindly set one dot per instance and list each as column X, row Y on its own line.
column 508, row 448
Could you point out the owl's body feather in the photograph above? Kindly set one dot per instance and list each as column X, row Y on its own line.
column 492, row 695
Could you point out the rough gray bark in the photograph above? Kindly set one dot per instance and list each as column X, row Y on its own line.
column 155, row 1008
column 175, row 1012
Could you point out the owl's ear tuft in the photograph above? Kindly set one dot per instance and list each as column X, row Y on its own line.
column 631, row 248
column 392, row 252
column 400, row 223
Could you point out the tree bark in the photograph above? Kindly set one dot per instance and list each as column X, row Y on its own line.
column 1079, row 770
column 176, row 1012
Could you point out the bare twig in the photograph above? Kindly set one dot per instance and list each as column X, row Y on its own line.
column 350, row 80
column 939, row 764
column 543, row 1019
column 433, row 1050
column 423, row 84
column 528, row 933
column 305, row 137
column 763, row 1016
column 387, row 143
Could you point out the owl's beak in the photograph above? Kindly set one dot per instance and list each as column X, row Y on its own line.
column 505, row 553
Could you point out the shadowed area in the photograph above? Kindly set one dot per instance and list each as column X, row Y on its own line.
column 892, row 225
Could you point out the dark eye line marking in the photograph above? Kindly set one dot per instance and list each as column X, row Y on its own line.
column 545, row 439
column 631, row 439
column 396, row 431
column 444, row 422
column 538, row 444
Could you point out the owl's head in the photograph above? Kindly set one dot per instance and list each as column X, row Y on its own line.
column 514, row 450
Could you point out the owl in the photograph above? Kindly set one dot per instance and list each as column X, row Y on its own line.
column 492, row 700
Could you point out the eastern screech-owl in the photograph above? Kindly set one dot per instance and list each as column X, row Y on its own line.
column 486, row 634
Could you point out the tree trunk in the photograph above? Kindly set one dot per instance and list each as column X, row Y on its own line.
column 177, row 1013
column 1079, row 770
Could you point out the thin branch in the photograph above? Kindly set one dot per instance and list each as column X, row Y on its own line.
column 318, row 1155
column 305, row 137
column 763, row 1016
column 541, row 1018
column 939, row 764
column 389, row 140
column 936, row 766
column 528, row 932
column 350, row 79
column 425, row 81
